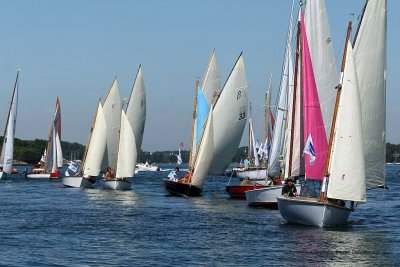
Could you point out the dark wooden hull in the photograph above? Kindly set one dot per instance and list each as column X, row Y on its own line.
column 238, row 191
column 180, row 189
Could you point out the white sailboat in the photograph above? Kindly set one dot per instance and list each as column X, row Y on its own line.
column 7, row 151
column 126, row 158
column 91, row 165
column 344, row 179
column 230, row 114
column 200, row 163
column 53, row 153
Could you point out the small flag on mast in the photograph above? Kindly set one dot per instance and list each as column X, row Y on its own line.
column 309, row 149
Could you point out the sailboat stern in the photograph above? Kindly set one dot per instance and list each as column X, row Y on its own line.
column 78, row 182
column 116, row 184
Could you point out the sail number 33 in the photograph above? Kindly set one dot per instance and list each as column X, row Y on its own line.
column 242, row 113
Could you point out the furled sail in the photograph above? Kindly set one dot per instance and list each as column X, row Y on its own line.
column 347, row 177
column 136, row 110
column 370, row 58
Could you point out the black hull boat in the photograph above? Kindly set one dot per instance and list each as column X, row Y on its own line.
column 181, row 189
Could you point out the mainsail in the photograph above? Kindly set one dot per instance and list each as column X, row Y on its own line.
column 7, row 152
column 136, row 110
column 54, row 157
column 316, row 146
column 323, row 58
column 230, row 114
column 347, row 177
column 211, row 84
column 96, row 146
column 370, row 61
column 112, row 113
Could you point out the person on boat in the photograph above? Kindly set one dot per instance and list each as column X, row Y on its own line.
column 185, row 179
column 246, row 181
column 108, row 175
column 289, row 189
column 172, row 176
column 246, row 163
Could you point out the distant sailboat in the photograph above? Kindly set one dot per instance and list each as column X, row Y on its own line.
column 53, row 157
column 198, row 164
column 7, row 151
column 91, row 165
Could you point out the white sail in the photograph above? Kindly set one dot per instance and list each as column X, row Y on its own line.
column 211, row 84
column 370, row 58
column 7, row 152
column 253, row 143
column 96, row 146
column 127, row 153
column 112, row 113
column 230, row 114
column 204, row 154
column 347, row 168
column 322, row 57
column 136, row 110
column 59, row 154
column 54, row 151
column 274, row 163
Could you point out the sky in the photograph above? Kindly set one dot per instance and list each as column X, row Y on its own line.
column 74, row 49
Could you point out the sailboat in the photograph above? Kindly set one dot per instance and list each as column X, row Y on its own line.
column 7, row 151
column 91, row 165
column 53, row 158
column 203, row 143
column 126, row 158
column 254, row 177
column 344, row 180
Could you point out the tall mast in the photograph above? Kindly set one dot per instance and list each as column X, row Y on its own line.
column 193, row 120
column 267, row 106
column 339, row 91
column 296, row 70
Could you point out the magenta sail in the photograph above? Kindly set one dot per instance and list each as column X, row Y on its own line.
column 316, row 146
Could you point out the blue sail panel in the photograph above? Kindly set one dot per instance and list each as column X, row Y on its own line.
column 201, row 116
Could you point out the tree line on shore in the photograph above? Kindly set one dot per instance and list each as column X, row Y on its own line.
column 30, row 151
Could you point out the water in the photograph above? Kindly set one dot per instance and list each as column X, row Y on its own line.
column 43, row 223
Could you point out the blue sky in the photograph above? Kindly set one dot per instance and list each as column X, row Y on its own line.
column 73, row 49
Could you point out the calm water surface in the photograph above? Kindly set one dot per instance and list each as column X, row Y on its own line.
column 43, row 223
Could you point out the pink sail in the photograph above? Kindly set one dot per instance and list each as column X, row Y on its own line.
column 316, row 146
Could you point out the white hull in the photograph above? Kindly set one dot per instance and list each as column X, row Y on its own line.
column 266, row 196
column 116, row 184
column 310, row 211
column 77, row 181
column 149, row 168
column 38, row 175
column 252, row 173
column 3, row 175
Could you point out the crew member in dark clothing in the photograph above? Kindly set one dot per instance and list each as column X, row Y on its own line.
column 289, row 189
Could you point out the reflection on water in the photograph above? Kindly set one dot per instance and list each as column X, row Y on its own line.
column 45, row 223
